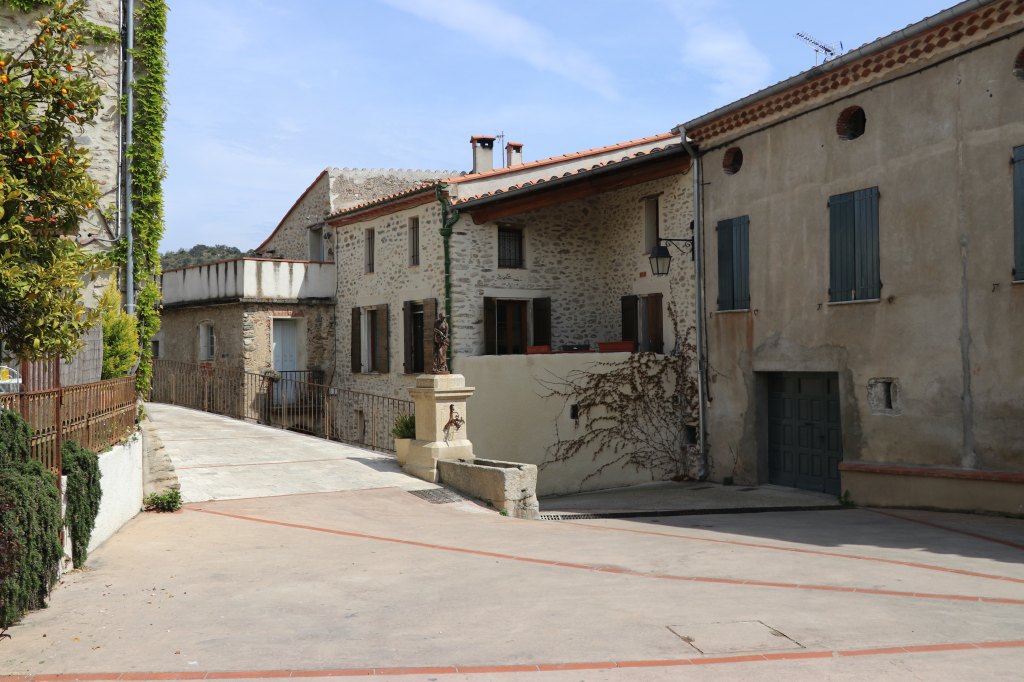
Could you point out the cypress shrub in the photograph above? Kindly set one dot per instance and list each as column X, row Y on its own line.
column 30, row 522
column 82, row 467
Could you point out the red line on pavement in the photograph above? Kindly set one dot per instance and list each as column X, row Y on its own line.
column 518, row 668
column 911, row 564
column 968, row 533
column 623, row 571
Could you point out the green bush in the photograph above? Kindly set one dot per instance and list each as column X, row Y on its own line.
column 82, row 467
column 167, row 501
column 405, row 426
column 120, row 336
column 30, row 523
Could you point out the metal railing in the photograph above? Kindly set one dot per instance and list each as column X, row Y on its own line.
column 277, row 399
column 95, row 416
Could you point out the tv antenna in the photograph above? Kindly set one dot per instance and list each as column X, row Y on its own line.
column 827, row 50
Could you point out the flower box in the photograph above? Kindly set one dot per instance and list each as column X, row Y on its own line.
column 617, row 346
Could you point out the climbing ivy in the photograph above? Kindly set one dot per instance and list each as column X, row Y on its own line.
column 27, row 5
column 29, row 524
column 146, row 157
column 82, row 467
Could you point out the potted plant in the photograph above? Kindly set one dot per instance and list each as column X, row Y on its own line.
column 404, row 430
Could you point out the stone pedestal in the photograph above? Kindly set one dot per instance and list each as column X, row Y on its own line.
column 438, row 397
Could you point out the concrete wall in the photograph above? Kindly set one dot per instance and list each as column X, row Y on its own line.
column 249, row 278
column 937, row 145
column 512, row 420
column 121, row 481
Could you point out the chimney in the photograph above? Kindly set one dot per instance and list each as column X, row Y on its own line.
column 483, row 153
column 513, row 153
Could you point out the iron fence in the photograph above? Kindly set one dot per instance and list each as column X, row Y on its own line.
column 95, row 415
column 281, row 399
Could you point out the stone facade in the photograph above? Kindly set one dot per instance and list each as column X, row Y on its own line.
column 103, row 139
column 335, row 189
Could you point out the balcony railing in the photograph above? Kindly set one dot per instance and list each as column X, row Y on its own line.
column 254, row 279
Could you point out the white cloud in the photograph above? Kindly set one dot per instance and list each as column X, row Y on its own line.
column 718, row 48
column 518, row 37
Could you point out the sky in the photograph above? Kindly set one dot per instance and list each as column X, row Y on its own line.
column 264, row 94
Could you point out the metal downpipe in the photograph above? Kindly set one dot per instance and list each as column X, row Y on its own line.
column 698, row 272
column 449, row 216
column 129, row 77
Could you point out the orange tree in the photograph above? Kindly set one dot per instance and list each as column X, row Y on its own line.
column 49, row 92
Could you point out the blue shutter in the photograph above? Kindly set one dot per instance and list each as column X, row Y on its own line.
column 741, row 262
column 1018, row 213
column 868, row 281
column 726, row 298
column 842, row 248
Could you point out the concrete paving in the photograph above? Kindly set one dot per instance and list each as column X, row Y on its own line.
column 218, row 458
column 381, row 581
column 685, row 497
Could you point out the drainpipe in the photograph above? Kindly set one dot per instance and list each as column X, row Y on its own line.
column 698, row 260
column 129, row 77
column 449, row 216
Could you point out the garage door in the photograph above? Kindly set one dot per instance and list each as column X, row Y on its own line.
column 805, row 443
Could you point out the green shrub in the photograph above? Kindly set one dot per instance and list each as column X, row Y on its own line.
column 30, row 523
column 120, row 335
column 82, row 467
column 167, row 501
column 405, row 426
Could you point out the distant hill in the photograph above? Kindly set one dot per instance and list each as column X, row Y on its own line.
column 200, row 254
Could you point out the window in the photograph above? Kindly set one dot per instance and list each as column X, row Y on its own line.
column 733, row 263
column 418, row 335
column 368, row 260
column 155, row 348
column 316, row 244
column 853, row 246
column 1018, row 65
column 207, row 341
column 851, row 123
column 1018, row 214
column 642, row 322
column 507, row 325
column 652, row 223
column 414, row 241
column 370, row 340
column 510, row 247
column 732, row 160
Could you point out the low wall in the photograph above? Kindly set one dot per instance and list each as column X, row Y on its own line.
column 511, row 420
column 509, row 487
column 121, row 481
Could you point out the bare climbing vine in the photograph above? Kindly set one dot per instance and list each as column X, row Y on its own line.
column 633, row 413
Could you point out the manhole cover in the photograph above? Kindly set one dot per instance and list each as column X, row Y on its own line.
column 437, row 495
column 733, row 638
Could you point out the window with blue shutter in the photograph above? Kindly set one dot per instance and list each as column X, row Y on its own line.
column 734, row 263
column 1018, row 214
column 853, row 246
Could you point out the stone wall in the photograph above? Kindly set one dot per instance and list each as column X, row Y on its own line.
column 336, row 189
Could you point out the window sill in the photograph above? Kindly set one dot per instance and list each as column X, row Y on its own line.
column 862, row 300
column 509, row 267
column 730, row 312
column 1019, row 282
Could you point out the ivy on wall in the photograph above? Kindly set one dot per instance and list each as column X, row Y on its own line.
column 146, row 157
column 82, row 467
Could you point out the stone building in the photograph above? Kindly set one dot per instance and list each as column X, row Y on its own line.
column 865, row 258
column 546, row 264
column 104, row 139
column 274, row 312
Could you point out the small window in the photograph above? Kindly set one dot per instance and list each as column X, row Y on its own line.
column 1018, row 66
column 1018, row 214
column 510, row 247
column 155, row 348
column 508, row 328
column 370, row 238
column 207, row 342
column 884, row 396
column 418, row 330
column 414, row 241
column 732, row 161
column 851, row 123
column 853, row 246
column 734, row 263
column 316, row 244
column 652, row 223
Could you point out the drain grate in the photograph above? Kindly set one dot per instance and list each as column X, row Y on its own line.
column 437, row 495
